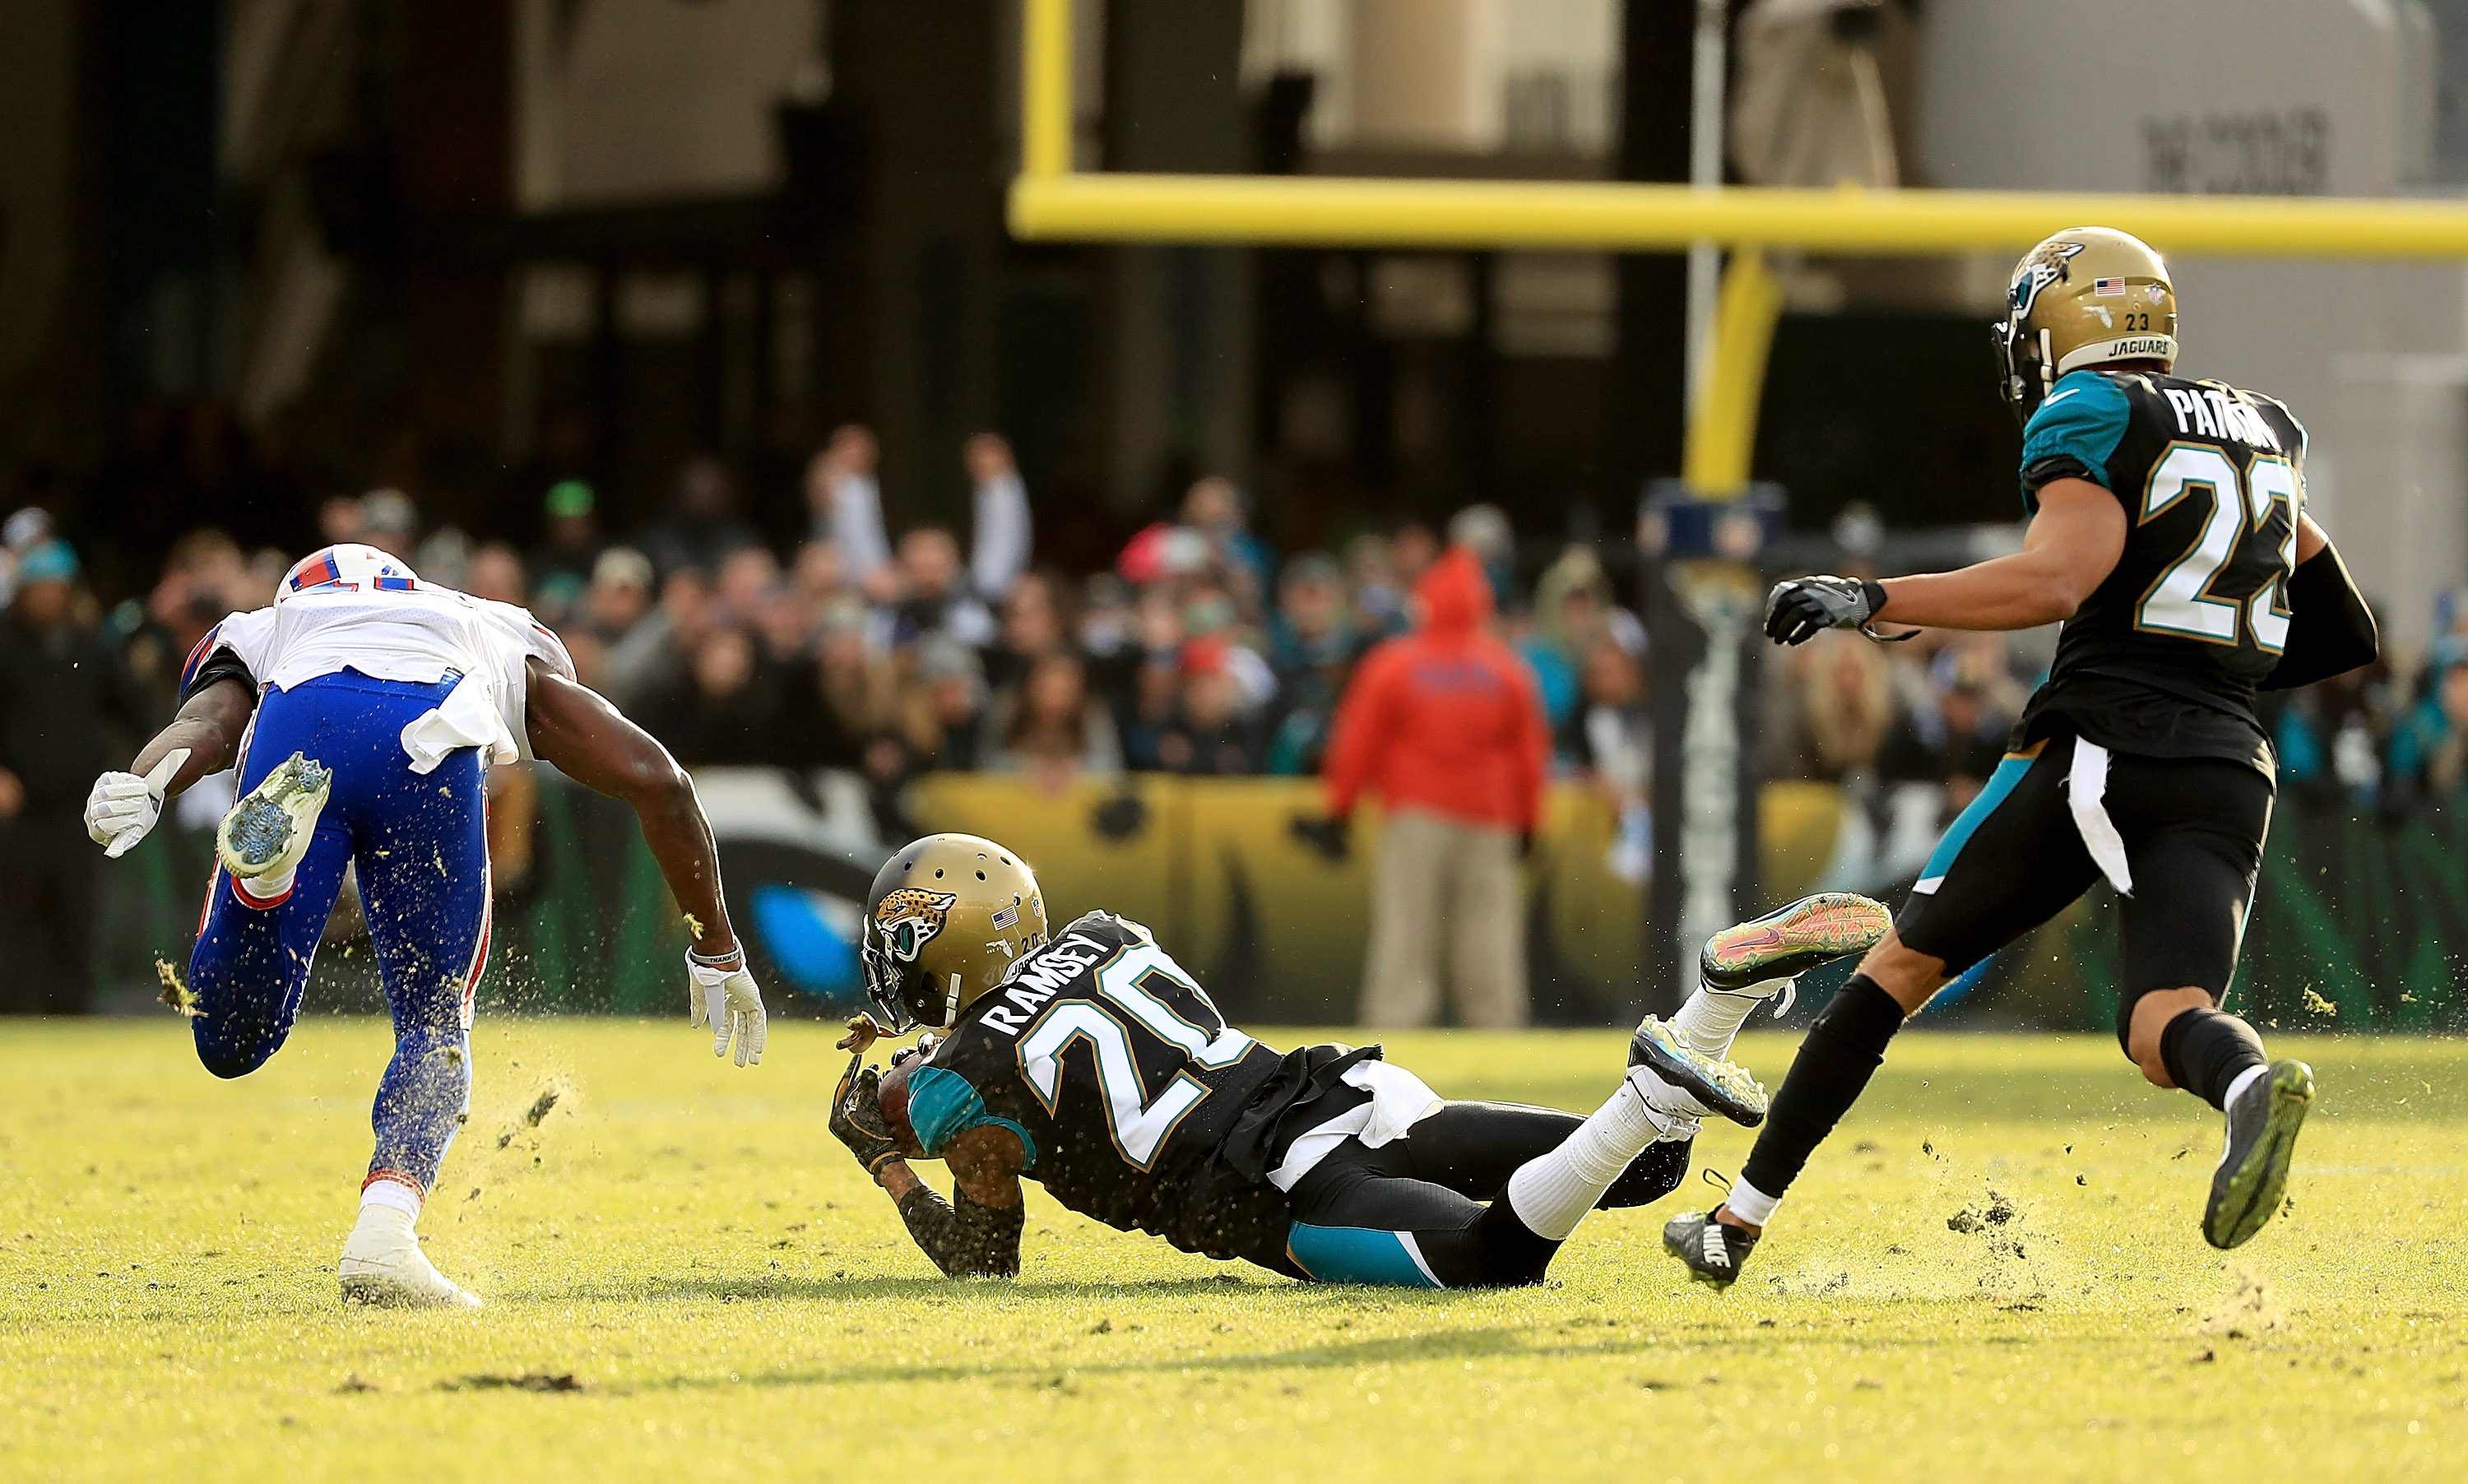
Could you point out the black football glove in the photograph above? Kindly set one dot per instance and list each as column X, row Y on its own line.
column 1795, row 611
column 856, row 1117
column 1326, row 837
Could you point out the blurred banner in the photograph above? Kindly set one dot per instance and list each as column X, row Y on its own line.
column 2359, row 925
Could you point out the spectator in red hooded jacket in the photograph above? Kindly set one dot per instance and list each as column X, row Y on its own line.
column 1446, row 726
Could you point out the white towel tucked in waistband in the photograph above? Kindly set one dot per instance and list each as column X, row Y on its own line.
column 1399, row 1101
column 467, row 718
column 2085, row 788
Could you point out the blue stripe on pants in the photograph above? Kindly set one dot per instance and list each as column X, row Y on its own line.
column 2000, row 783
column 1357, row 1254
column 420, row 843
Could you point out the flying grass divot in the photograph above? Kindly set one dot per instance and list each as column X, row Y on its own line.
column 176, row 994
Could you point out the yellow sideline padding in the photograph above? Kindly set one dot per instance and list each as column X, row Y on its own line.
column 1212, row 866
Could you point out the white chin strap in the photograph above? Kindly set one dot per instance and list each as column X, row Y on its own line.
column 2159, row 347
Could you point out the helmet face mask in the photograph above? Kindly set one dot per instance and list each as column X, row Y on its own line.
column 2023, row 371
column 946, row 918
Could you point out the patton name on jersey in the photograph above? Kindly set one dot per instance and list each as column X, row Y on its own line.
column 2210, row 412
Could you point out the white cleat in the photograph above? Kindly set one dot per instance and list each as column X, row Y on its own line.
column 384, row 1266
column 267, row 831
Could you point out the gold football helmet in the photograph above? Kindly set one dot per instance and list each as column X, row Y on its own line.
column 946, row 918
column 2085, row 297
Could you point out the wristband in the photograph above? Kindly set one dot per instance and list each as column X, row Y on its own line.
column 733, row 958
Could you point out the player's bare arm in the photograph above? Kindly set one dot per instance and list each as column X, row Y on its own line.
column 575, row 729
column 210, row 725
column 203, row 739
column 2071, row 546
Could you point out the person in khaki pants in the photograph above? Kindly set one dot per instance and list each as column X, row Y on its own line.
column 1446, row 726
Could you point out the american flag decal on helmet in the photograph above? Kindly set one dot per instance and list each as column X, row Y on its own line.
column 2108, row 288
column 1005, row 917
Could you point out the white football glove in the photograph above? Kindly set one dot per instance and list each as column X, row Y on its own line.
column 123, row 807
column 726, row 998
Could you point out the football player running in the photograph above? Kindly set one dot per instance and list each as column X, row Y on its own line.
column 361, row 709
column 1091, row 1062
column 2168, row 534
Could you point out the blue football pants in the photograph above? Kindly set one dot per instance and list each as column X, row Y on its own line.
column 421, row 846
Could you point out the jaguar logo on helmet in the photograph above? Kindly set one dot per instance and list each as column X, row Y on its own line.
column 908, row 919
column 2046, row 265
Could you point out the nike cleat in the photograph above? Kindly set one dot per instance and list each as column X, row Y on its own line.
column 1794, row 940
column 267, row 833
column 1711, row 1251
column 1716, row 1086
column 2262, row 1138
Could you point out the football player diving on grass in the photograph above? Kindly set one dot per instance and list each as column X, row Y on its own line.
column 361, row 709
column 1091, row 1062
column 2168, row 534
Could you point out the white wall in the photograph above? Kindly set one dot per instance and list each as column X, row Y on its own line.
column 2326, row 97
column 1445, row 74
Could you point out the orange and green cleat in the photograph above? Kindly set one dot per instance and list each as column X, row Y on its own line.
column 1794, row 940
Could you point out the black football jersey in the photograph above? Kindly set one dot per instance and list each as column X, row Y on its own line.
column 1136, row 1103
column 2163, row 657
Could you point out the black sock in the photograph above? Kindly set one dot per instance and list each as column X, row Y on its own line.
column 2207, row 1050
column 1844, row 1049
column 1511, row 1253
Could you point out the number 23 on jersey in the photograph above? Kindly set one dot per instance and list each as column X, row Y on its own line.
column 2185, row 600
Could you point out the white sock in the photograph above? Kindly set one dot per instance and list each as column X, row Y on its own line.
column 1750, row 1204
column 266, row 888
column 1711, row 1020
column 391, row 1195
column 1552, row 1193
column 2245, row 1080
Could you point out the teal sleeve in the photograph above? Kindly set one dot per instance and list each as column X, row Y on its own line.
column 2083, row 419
column 942, row 1106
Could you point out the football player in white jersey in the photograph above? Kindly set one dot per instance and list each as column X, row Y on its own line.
column 361, row 709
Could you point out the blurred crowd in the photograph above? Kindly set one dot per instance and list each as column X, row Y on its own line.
column 898, row 651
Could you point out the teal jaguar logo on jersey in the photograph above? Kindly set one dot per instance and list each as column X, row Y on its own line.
column 2044, row 266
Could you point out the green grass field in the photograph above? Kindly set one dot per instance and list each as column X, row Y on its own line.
column 733, row 1301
